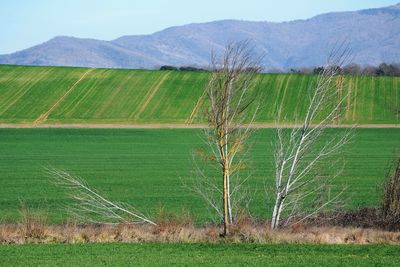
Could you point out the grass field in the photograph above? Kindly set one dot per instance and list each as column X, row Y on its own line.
column 28, row 92
column 140, row 96
column 198, row 255
column 146, row 167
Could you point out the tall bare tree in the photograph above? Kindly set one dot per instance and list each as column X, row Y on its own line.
column 305, row 160
column 229, row 112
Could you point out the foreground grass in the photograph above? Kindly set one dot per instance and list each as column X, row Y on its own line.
column 198, row 255
column 147, row 168
column 141, row 96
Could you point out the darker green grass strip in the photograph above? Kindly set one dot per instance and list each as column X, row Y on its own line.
column 148, row 168
column 198, row 255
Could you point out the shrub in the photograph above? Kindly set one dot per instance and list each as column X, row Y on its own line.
column 391, row 196
column 190, row 69
column 168, row 68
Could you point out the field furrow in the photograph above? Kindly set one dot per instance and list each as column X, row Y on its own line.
column 141, row 96
column 28, row 92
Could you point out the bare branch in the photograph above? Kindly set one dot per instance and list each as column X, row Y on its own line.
column 90, row 202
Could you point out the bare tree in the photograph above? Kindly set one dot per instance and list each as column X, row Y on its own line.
column 305, row 161
column 352, row 69
column 229, row 112
column 90, row 205
column 369, row 70
column 391, row 195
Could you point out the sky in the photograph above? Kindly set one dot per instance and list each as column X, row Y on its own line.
column 24, row 23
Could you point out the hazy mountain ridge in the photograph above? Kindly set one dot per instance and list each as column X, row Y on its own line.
column 373, row 34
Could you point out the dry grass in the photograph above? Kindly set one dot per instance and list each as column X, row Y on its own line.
column 180, row 228
column 243, row 232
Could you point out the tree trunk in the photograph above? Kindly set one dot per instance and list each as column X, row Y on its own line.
column 226, row 203
column 277, row 212
column 230, row 218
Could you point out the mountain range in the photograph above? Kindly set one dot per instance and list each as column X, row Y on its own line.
column 372, row 34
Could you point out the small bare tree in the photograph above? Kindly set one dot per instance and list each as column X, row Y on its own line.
column 304, row 159
column 90, row 205
column 229, row 113
column 391, row 196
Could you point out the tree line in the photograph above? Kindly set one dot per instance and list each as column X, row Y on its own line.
column 355, row 69
column 352, row 69
column 184, row 68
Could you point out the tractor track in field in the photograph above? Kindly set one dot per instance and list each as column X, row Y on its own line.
column 150, row 94
column 43, row 117
column 199, row 102
column 174, row 126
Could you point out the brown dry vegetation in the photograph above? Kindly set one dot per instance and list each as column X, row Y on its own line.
column 362, row 226
column 372, row 218
column 186, row 232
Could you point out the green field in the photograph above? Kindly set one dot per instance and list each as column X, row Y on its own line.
column 147, row 167
column 141, row 96
column 198, row 255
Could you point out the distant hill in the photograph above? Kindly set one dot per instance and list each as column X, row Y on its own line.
column 374, row 35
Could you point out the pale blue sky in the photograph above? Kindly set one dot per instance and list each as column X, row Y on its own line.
column 24, row 23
